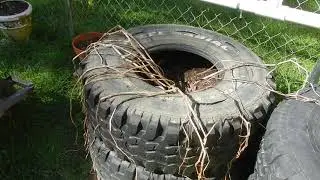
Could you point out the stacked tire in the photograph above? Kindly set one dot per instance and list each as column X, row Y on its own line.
column 144, row 138
column 290, row 148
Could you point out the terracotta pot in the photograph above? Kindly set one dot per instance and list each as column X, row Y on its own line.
column 82, row 41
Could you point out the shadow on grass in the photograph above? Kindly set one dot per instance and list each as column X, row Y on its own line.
column 38, row 141
column 37, row 137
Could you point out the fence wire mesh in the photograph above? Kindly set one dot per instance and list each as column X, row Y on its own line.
column 306, row 5
column 272, row 40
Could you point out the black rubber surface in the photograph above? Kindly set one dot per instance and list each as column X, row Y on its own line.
column 290, row 149
column 148, row 129
column 109, row 166
column 315, row 74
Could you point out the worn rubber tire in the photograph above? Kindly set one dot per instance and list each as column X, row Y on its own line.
column 290, row 148
column 109, row 166
column 148, row 129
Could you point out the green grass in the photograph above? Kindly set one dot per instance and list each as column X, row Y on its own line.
column 37, row 140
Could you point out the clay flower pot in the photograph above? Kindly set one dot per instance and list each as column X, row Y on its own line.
column 15, row 19
column 82, row 41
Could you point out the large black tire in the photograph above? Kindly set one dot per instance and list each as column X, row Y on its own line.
column 148, row 129
column 290, row 149
column 109, row 166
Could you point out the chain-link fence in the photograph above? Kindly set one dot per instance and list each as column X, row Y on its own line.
column 272, row 40
column 296, row 11
column 307, row 5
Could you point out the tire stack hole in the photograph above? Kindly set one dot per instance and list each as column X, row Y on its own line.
column 187, row 70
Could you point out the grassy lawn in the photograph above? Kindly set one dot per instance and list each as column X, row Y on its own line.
column 37, row 137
